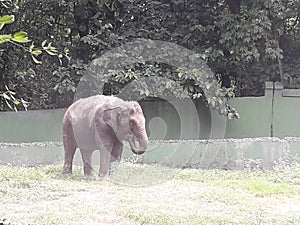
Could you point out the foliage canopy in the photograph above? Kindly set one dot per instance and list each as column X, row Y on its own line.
column 245, row 43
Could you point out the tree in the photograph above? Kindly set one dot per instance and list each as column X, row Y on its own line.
column 245, row 43
column 18, row 39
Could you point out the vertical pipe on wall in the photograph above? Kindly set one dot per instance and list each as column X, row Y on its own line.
column 270, row 92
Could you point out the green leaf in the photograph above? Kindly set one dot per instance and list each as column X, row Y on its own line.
column 208, row 100
column 7, row 19
column 213, row 102
column 191, row 88
column 4, row 95
column 44, row 43
column 208, row 85
column 51, row 52
column 21, row 37
column 31, row 47
column 12, row 92
column 36, row 52
column 49, row 49
column 147, row 92
column 36, row 60
column 5, row 38
column 195, row 96
column 73, row 89
column 17, row 102
column 24, row 103
column 168, row 84
column 180, row 73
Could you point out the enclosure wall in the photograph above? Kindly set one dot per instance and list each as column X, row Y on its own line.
column 274, row 114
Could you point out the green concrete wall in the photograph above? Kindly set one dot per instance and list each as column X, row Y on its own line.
column 31, row 126
column 255, row 118
column 286, row 118
column 274, row 114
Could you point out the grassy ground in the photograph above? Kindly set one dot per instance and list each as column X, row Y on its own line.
column 141, row 194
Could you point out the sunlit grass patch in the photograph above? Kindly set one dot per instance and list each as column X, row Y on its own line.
column 141, row 174
column 257, row 182
column 150, row 194
column 167, row 219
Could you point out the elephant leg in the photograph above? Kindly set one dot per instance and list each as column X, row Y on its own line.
column 116, row 152
column 87, row 162
column 70, row 146
column 105, row 155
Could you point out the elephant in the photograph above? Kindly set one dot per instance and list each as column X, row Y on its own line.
column 102, row 123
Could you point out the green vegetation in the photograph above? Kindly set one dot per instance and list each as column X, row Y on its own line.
column 244, row 44
column 18, row 39
column 41, row 195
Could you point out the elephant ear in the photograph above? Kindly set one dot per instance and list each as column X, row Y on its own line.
column 110, row 117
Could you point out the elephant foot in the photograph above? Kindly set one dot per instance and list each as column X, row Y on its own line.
column 100, row 178
column 95, row 177
column 67, row 169
column 66, row 173
column 91, row 175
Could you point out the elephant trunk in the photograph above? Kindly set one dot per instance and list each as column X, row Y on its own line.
column 142, row 144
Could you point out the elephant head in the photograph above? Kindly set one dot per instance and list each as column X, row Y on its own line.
column 128, row 123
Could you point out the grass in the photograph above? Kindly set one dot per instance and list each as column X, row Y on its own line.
column 149, row 194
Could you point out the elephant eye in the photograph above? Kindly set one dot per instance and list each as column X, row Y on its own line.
column 131, row 123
